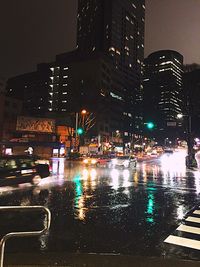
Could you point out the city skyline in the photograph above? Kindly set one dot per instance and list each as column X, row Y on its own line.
column 40, row 36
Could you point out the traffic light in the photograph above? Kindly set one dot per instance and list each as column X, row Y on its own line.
column 80, row 131
column 150, row 125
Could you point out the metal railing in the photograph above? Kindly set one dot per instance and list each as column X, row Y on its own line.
column 23, row 234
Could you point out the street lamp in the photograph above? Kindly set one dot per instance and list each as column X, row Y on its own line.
column 179, row 116
column 83, row 112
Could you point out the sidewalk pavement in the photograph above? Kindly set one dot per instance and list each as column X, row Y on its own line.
column 92, row 260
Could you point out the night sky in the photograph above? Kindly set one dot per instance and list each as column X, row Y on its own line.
column 34, row 31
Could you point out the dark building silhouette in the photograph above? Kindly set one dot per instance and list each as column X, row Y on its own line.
column 116, row 28
column 190, row 67
column 163, row 91
column 32, row 89
column 192, row 99
column 103, row 75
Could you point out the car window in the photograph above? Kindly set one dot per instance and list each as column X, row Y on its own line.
column 26, row 163
column 2, row 163
column 123, row 157
column 10, row 164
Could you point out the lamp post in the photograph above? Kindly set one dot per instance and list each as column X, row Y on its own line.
column 190, row 154
column 79, row 131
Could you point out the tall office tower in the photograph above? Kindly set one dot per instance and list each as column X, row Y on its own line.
column 116, row 29
column 163, row 95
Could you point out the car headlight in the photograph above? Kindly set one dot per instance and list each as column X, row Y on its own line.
column 93, row 161
column 85, row 161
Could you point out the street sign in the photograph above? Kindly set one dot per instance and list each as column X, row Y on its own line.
column 171, row 123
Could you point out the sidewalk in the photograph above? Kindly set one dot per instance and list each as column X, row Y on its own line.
column 92, row 260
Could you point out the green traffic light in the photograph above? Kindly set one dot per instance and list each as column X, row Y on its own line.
column 79, row 131
column 150, row 125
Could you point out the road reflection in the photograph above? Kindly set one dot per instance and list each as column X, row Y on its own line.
column 123, row 210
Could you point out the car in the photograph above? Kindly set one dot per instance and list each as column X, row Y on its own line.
column 90, row 161
column 21, row 169
column 39, row 160
column 103, row 161
column 124, row 161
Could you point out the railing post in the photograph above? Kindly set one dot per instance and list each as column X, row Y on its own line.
column 23, row 234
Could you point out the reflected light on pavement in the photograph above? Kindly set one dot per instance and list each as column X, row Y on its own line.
column 181, row 212
column 115, row 179
column 197, row 181
column 174, row 164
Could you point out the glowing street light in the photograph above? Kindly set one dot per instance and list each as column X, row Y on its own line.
column 83, row 112
column 180, row 116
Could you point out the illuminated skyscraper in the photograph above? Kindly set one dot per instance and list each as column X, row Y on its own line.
column 163, row 95
column 116, row 29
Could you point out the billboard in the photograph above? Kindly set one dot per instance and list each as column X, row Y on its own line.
column 30, row 124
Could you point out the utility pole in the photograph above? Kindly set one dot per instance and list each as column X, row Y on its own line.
column 76, row 129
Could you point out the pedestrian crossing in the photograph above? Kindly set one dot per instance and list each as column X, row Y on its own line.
column 188, row 233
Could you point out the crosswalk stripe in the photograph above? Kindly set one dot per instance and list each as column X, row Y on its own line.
column 196, row 212
column 189, row 229
column 193, row 219
column 184, row 242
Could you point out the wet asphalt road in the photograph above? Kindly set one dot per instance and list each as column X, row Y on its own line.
column 101, row 210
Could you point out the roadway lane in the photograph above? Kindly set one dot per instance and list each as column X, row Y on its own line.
column 131, row 211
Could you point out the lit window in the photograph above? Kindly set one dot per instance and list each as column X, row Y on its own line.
column 66, row 68
column 65, row 76
column 111, row 49
column 65, row 84
column 118, row 52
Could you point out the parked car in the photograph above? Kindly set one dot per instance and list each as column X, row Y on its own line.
column 39, row 160
column 21, row 169
column 124, row 161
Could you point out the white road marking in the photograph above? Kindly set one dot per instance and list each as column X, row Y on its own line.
column 193, row 219
column 196, row 212
column 184, row 242
column 189, row 229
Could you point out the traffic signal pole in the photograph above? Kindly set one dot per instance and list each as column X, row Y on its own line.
column 190, row 155
column 76, row 129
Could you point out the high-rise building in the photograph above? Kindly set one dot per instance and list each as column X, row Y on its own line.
column 163, row 90
column 116, row 28
column 103, row 75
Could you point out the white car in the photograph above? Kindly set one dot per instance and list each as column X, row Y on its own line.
column 124, row 161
